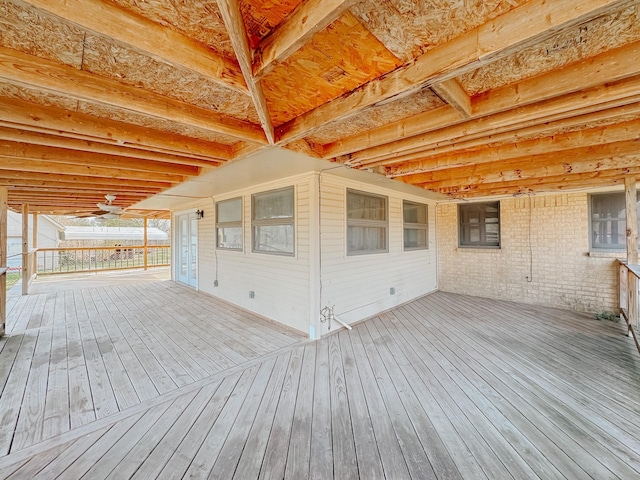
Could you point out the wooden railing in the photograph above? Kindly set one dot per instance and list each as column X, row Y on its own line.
column 29, row 269
column 91, row 259
column 629, row 306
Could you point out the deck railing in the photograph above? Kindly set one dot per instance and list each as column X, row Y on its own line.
column 629, row 295
column 90, row 259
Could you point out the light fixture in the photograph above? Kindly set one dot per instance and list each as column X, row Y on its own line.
column 199, row 214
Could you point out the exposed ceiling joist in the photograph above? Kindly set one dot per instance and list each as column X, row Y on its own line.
column 230, row 10
column 310, row 17
column 620, row 132
column 46, row 166
column 577, row 160
column 22, row 69
column 83, row 126
column 593, row 96
column 15, row 176
column 540, row 184
column 456, row 57
column 163, row 43
column 452, row 93
column 47, row 140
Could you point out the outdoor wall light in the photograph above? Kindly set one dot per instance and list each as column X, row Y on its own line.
column 199, row 214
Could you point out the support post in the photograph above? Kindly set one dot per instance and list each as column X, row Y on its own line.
column 34, row 243
column 632, row 246
column 3, row 258
column 25, row 249
column 144, row 222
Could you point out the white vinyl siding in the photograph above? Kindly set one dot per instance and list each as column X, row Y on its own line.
column 360, row 285
column 280, row 283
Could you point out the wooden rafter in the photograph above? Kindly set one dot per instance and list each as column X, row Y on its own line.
column 22, row 69
column 452, row 93
column 560, row 97
column 617, row 132
column 48, row 140
column 310, row 17
column 32, row 117
column 230, row 10
column 487, row 43
column 577, row 160
column 163, row 43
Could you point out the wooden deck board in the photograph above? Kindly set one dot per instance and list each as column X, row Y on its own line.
column 445, row 387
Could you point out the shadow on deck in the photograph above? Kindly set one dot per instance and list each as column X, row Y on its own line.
column 143, row 381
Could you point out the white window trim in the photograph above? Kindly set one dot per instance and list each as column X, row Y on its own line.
column 274, row 222
column 234, row 224
column 366, row 223
column 415, row 226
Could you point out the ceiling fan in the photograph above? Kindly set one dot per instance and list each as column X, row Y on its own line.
column 107, row 211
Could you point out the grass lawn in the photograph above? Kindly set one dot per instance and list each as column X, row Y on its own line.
column 12, row 279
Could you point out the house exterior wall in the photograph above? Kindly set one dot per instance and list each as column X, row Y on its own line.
column 280, row 283
column 293, row 289
column 544, row 238
column 359, row 285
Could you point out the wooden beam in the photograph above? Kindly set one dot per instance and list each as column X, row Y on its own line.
column 579, row 160
column 87, row 127
column 3, row 259
column 442, row 128
column 16, row 150
column 631, row 203
column 511, row 133
column 232, row 16
column 30, row 184
column 607, row 67
column 81, row 181
column 452, row 93
column 460, row 55
column 25, row 249
column 49, row 140
column 523, row 186
column 309, row 17
column 623, row 131
column 162, row 42
column 43, row 166
column 23, row 69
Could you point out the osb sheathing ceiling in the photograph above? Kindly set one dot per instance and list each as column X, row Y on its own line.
column 466, row 98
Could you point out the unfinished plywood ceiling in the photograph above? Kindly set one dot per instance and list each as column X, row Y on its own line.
column 463, row 98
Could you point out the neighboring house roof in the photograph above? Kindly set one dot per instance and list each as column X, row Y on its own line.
column 113, row 233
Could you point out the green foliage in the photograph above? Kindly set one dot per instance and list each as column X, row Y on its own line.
column 12, row 279
column 607, row 316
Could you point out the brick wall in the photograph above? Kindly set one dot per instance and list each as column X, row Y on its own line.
column 544, row 238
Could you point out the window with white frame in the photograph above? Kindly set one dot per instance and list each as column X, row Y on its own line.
column 229, row 224
column 367, row 223
column 272, row 221
column 608, row 221
column 479, row 225
column 415, row 221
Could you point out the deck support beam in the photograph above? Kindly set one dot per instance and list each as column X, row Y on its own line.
column 3, row 259
column 144, row 249
column 632, row 246
column 25, row 249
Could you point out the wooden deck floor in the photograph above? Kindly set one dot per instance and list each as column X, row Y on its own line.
column 445, row 387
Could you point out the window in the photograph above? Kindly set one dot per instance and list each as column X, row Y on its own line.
column 479, row 225
column 416, row 232
column 272, row 221
column 367, row 223
column 608, row 224
column 229, row 224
